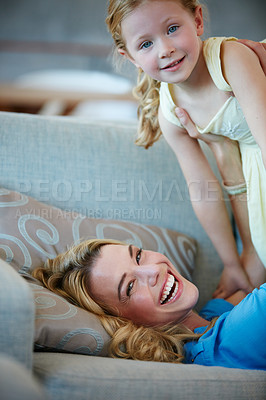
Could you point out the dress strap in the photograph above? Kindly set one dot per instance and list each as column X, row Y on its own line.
column 167, row 104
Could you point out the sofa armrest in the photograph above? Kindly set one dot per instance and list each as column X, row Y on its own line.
column 17, row 383
column 16, row 316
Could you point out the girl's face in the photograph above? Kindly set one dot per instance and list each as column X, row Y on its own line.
column 162, row 38
column 142, row 286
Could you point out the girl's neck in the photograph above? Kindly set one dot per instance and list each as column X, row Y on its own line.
column 198, row 95
column 198, row 79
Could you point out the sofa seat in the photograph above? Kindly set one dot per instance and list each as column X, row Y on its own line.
column 98, row 378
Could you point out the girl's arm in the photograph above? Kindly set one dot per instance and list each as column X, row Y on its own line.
column 228, row 160
column 243, row 72
column 207, row 201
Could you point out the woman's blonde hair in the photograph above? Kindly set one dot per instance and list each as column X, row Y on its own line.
column 68, row 275
column 147, row 88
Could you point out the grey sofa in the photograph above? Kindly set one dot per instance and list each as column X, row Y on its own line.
column 93, row 167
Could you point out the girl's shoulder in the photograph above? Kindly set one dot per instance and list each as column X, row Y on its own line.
column 223, row 54
column 212, row 46
column 212, row 52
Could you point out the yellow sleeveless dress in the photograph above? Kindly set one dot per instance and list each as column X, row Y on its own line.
column 230, row 121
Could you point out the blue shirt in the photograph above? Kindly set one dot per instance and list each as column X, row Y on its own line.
column 238, row 338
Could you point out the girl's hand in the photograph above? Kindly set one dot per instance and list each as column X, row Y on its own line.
column 253, row 266
column 232, row 279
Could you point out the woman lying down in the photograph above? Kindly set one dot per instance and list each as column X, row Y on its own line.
column 146, row 306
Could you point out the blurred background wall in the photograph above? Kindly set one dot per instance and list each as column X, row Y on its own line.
column 71, row 34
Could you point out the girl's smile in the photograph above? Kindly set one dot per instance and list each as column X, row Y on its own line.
column 162, row 38
column 141, row 285
column 174, row 66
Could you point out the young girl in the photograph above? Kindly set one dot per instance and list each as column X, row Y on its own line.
column 222, row 86
column 146, row 307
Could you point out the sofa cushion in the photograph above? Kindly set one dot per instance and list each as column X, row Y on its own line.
column 61, row 326
column 31, row 232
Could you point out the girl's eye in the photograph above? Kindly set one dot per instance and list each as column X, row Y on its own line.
column 129, row 288
column 146, row 44
column 138, row 256
column 172, row 29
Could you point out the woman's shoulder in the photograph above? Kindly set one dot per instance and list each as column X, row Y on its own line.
column 248, row 314
column 237, row 337
column 215, row 308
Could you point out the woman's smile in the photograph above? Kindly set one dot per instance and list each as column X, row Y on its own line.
column 141, row 285
column 171, row 290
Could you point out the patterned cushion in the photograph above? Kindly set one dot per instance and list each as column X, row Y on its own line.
column 31, row 231
column 63, row 327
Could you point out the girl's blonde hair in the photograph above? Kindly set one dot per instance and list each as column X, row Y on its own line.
column 147, row 88
column 68, row 275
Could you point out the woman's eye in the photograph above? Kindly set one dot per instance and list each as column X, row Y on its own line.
column 138, row 256
column 146, row 44
column 172, row 29
column 129, row 288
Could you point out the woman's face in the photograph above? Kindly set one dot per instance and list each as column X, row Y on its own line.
column 141, row 285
